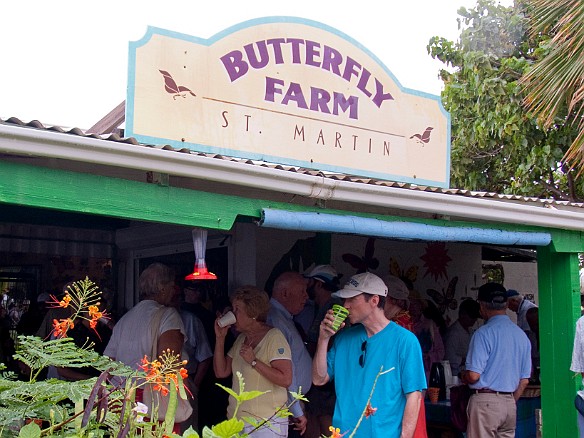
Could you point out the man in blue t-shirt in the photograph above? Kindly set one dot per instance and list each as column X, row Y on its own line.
column 376, row 365
column 498, row 367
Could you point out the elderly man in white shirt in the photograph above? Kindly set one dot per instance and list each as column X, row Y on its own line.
column 459, row 333
column 519, row 305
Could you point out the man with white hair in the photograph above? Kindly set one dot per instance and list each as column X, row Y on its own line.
column 288, row 299
column 519, row 305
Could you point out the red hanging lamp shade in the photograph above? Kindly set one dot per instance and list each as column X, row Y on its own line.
column 200, row 271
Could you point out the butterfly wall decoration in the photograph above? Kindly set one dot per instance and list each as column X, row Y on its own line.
column 408, row 275
column 366, row 262
column 445, row 299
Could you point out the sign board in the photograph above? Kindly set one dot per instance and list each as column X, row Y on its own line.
column 289, row 91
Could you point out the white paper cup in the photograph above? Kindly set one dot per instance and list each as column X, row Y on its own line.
column 227, row 319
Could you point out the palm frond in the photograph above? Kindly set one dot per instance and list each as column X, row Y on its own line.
column 555, row 85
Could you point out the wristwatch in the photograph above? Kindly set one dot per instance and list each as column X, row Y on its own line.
column 253, row 363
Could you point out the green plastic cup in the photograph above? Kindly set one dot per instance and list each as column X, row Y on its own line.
column 340, row 313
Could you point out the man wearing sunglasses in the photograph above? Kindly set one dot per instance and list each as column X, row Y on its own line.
column 375, row 364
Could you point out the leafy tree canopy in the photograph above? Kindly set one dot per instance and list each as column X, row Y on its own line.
column 496, row 145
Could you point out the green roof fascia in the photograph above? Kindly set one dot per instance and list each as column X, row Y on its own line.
column 28, row 185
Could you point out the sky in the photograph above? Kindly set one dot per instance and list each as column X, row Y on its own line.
column 65, row 62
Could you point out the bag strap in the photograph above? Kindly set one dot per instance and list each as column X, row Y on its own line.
column 154, row 329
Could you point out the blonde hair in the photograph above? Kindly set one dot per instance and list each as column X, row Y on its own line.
column 255, row 301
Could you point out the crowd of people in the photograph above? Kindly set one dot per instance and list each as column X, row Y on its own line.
column 370, row 375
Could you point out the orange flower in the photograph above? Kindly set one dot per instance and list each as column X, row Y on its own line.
column 65, row 301
column 369, row 410
column 94, row 312
column 163, row 389
column 60, row 327
column 335, row 432
column 164, row 372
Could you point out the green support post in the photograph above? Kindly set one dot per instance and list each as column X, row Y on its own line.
column 559, row 308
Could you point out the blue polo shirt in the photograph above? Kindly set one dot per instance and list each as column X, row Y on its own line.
column 501, row 353
column 280, row 318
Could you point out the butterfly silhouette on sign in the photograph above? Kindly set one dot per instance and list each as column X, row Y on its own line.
column 365, row 263
column 445, row 299
column 171, row 86
column 424, row 137
column 410, row 274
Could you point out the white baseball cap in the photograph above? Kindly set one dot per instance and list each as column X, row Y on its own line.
column 366, row 282
column 325, row 274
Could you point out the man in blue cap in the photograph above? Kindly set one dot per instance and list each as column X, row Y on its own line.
column 498, row 367
column 323, row 280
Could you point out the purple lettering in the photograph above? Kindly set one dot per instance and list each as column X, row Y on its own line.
column 263, row 55
column 319, row 100
column 295, row 49
column 277, row 51
column 276, row 43
column 271, row 89
column 352, row 68
column 294, row 93
column 235, row 65
column 380, row 97
column 362, row 85
column 312, row 52
column 331, row 60
column 339, row 102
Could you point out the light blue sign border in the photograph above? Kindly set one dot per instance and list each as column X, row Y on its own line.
column 129, row 129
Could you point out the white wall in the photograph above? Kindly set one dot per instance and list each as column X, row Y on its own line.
column 522, row 277
column 465, row 263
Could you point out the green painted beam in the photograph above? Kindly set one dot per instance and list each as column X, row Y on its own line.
column 80, row 192
column 559, row 308
column 34, row 186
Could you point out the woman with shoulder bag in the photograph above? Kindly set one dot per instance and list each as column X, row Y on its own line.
column 150, row 328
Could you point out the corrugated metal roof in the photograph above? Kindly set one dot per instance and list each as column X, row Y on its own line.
column 550, row 203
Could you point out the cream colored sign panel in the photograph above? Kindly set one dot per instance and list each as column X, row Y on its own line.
column 287, row 91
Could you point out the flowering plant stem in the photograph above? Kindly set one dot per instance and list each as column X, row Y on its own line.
column 368, row 404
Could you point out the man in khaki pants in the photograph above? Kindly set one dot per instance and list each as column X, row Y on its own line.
column 498, row 367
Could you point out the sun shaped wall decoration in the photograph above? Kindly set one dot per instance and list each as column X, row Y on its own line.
column 436, row 260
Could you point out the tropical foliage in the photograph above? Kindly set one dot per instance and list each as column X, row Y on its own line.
column 496, row 145
column 555, row 85
column 104, row 405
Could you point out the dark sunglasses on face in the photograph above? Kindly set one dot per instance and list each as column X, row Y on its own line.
column 363, row 354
